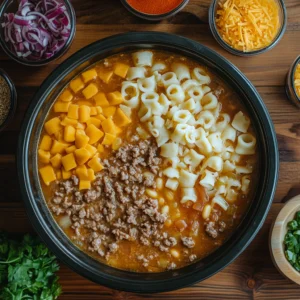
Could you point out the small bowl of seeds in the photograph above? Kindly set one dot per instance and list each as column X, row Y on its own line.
column 8, row 99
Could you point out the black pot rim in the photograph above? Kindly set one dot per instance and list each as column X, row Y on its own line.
column 184, row 278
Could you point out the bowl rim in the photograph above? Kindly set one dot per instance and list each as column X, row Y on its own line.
column 293, row 70
column 154, row 17
column 219, row 39
column 13, row 100
column 57, row 55
column 149, row 39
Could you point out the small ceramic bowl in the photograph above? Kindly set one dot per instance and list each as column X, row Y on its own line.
column 155, row 17
column 277, row 235
column 13, row 100
column 11, row 6
column 213, row 27
column 290, row 86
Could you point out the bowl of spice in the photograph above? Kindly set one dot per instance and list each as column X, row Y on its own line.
column 8, row 99
column 154, row 10
column 247, row 27
column 36, row 32
column 285, row 240
column 292, row 85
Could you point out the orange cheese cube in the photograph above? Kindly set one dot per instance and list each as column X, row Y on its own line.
column 93, row 133
column 53, row 125
column 70, row 149
column 73, row 111
column 81, row 139
column 81, row 172
column 84, row 113
column 58, row 175
column 84, row 102
column 121, row 69
column 105, row 76
column 94, row 121
column 82, row 156
column 84, row 185
column 44, row 156
column 56, row 161
column 89, row 75
column 95, row 164
column 46, row 143
column 66, row 174
column 91, row 174
column 120, row 118
column 116, row 144
column 92, row 150
column 76, row 85
column 109, row 111
column 80, row 126
column 66, row 96
column 109, row 126
column 69, row 134
column 93, row 111
column 100, row 117
column 58, row 147
column 115, row 98
column 69, row 162
column 90, row 91
column 67, row 121
column 99, row 109
column 100, row 148
column 61, row 107
column 59, row 136
column 108, row 139
column 101, row 100
column 47, row 174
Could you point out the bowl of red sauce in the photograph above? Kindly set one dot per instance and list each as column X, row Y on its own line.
column 154, row 10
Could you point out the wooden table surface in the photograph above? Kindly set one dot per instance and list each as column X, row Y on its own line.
column 252, row 275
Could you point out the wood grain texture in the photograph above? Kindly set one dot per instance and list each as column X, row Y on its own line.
column 252, row 275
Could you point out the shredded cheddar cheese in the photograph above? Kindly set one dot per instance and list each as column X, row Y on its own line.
column 297, row 80
column 248, row 25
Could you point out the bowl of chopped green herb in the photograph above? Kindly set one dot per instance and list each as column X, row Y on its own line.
column 285, row 240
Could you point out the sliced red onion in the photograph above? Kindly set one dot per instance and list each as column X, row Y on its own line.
column 38, row 30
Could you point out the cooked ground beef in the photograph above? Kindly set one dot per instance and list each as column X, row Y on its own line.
column 188, row 242
column 213, row 228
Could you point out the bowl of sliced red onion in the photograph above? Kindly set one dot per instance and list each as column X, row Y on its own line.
column 36, row 32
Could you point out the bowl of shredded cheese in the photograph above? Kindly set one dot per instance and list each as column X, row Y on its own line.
column 247, row 27
column 293, row 82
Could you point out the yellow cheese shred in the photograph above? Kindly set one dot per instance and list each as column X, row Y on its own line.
column 297, row 80
column 248, row 25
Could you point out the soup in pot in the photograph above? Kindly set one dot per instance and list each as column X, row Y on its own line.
column 147, row 161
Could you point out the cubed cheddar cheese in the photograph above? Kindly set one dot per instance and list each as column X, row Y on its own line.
column 85, row 102
column 73, row 111
column 69, row 162
column 70, row 149
column 93, row 111
column 67, row 121
column 91, row 174
column 76, row 85
column 84, row 113
column 95, row 164
column 58, row 147
column 81, row 139
column 93, row 133
column 82, row 156
column 108, row 139
column 46, row 143
column 94, row 121
column 66, row 96
column 66, row 174
column 81, row 172
column 44, row 156
column 92, row 150
column 109, row 126
column 120, row 118
column 61, row 107
column 100, row 148
column 90, row 91
column 58, row 175
column 69, row 134
column 59, row 136
column 121, row 69
column 101, row 100
column 100, row 117
column 115, row 98
column 105, row 76
column 56, row 161
column 84, row 185
column 89, row 75
column 109, row 111
column 80, row 126
column 47, row 174
column 53, row 125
